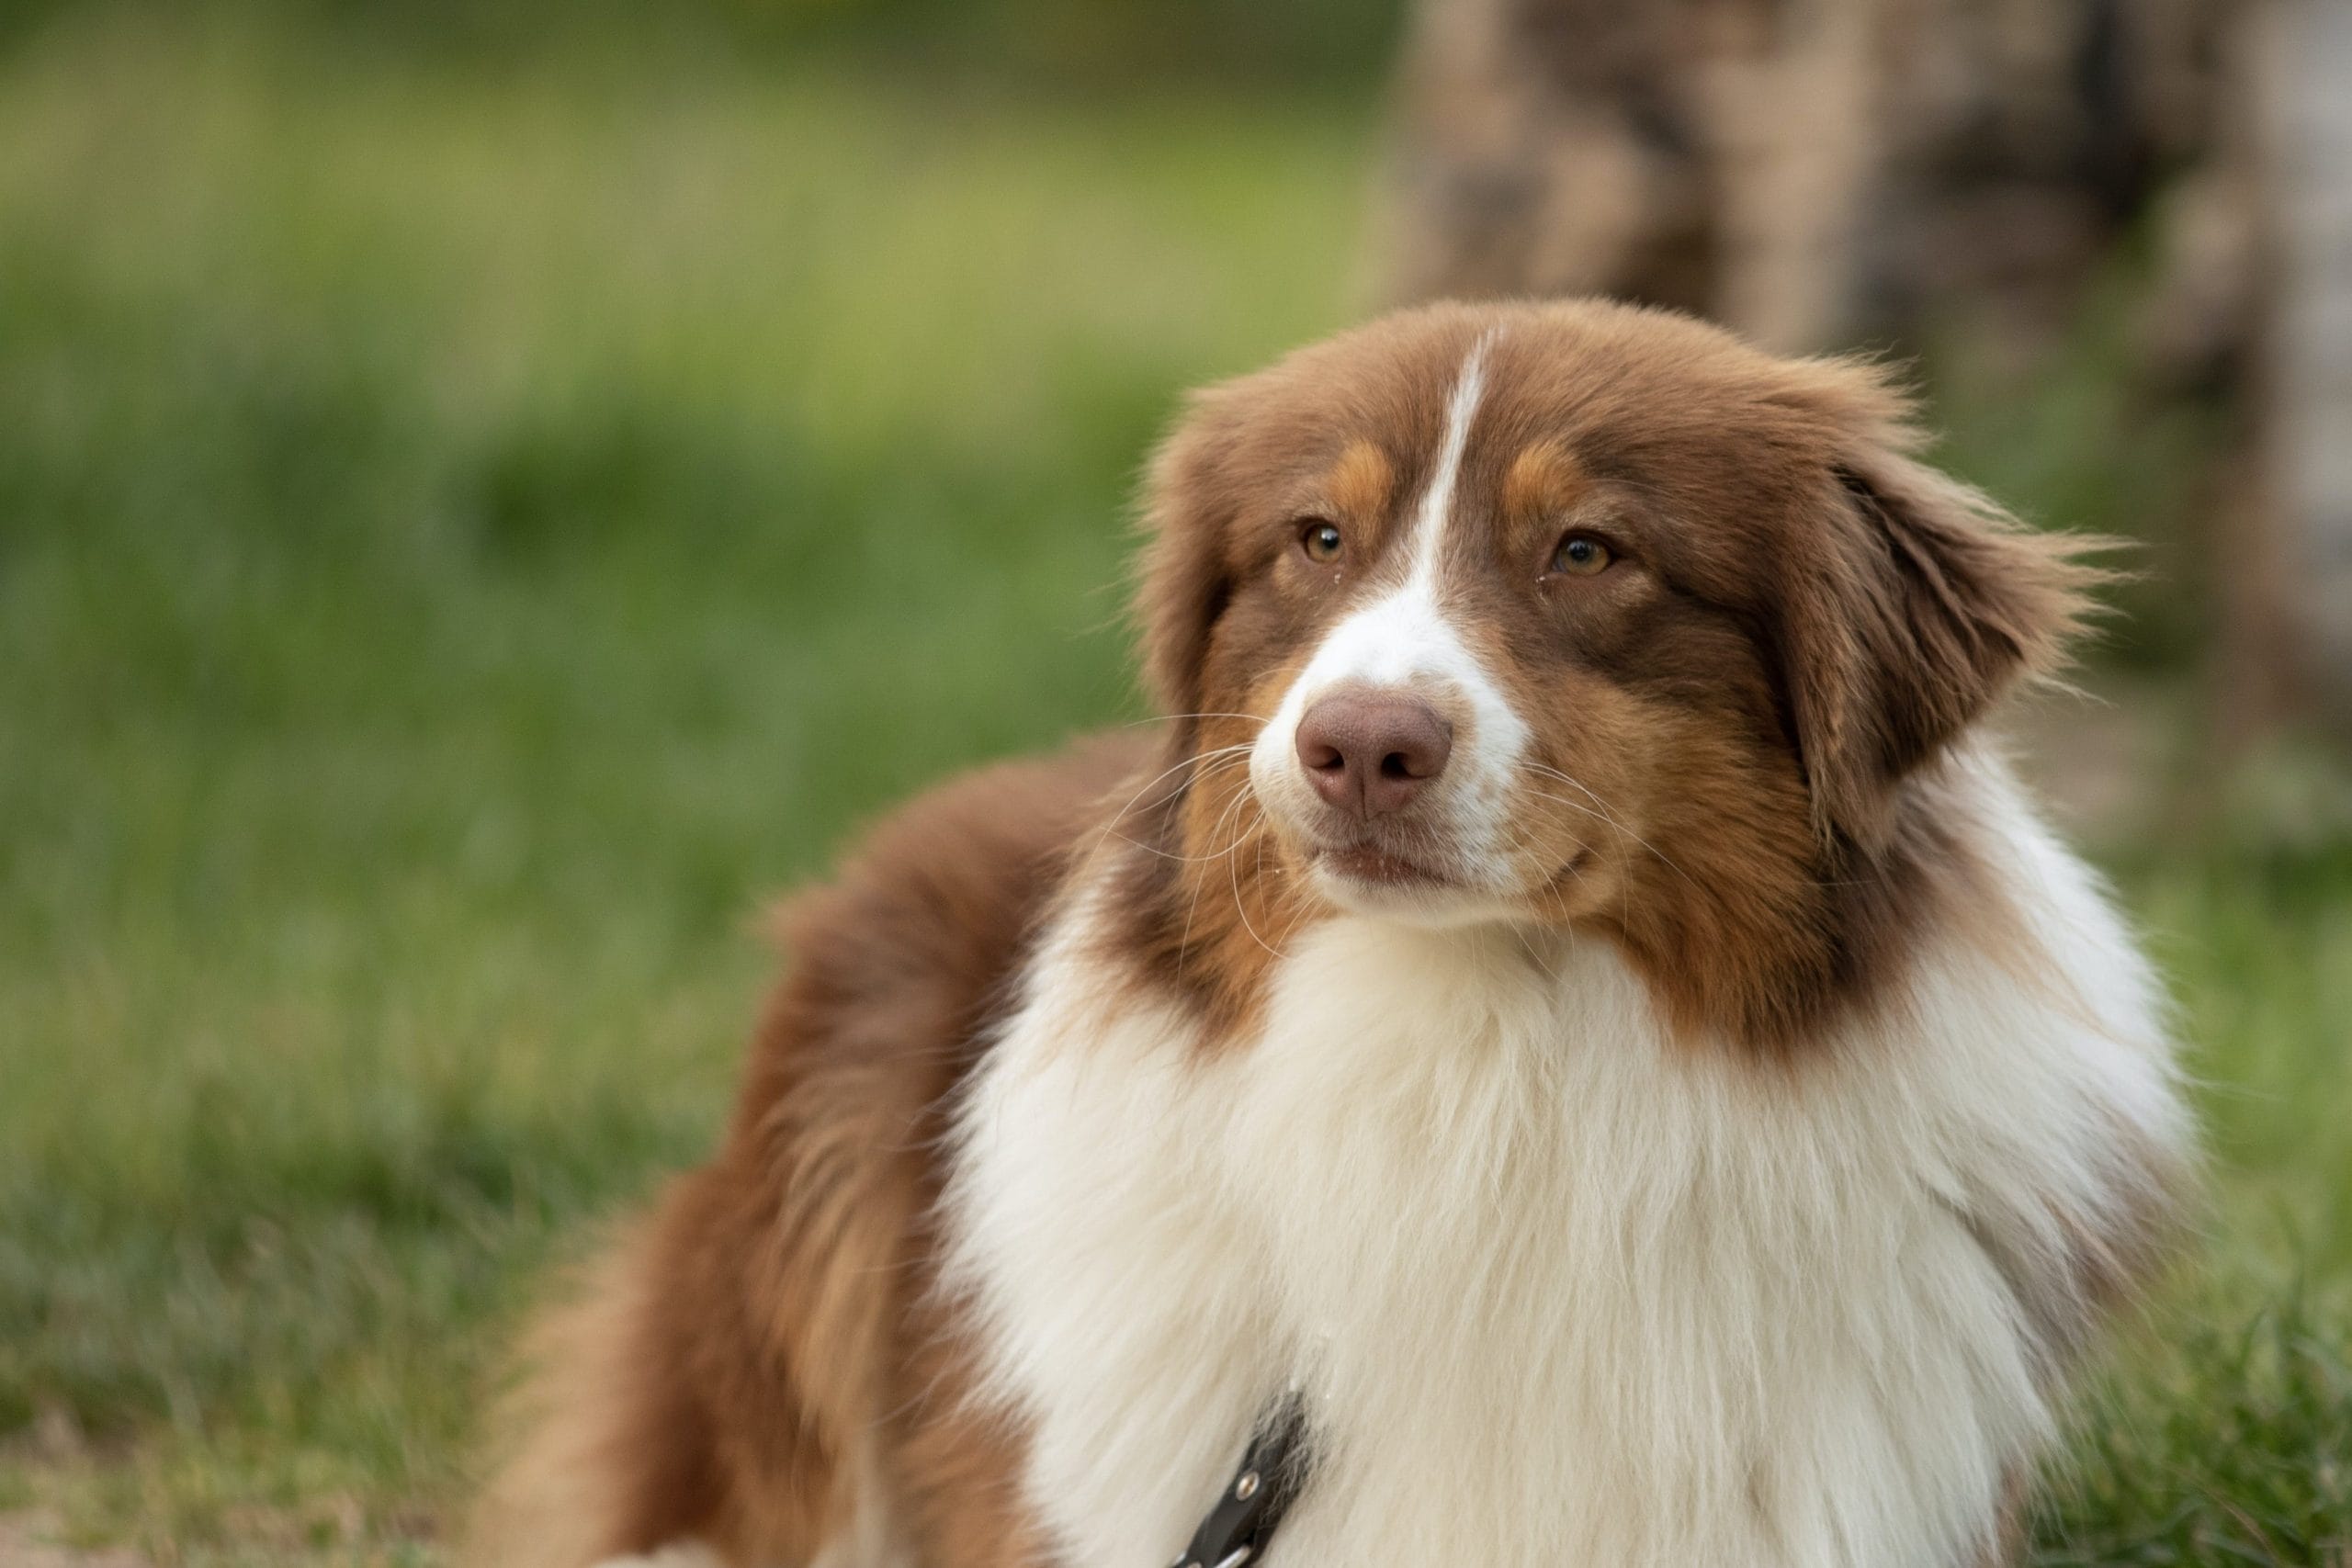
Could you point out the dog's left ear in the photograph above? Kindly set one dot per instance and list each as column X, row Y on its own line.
column 1919, row 604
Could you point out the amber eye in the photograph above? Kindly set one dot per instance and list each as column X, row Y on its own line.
column 1321, row 540
column 1582, row 554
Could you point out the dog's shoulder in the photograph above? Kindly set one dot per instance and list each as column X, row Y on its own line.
column 909, row 949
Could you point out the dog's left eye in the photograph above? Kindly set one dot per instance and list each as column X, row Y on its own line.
column 1320, row 539
column 1582, row 554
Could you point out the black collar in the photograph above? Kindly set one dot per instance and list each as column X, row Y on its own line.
column 1244, row 1517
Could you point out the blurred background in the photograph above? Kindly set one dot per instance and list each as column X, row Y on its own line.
column 491, row 490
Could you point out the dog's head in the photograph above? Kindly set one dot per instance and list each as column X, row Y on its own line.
column 1571, row 614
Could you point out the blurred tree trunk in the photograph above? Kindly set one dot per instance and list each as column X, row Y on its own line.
column 2306, row 74
column 1808, row 171
column 1820, row 172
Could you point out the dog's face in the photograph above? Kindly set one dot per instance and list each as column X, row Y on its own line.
column 1542, row 613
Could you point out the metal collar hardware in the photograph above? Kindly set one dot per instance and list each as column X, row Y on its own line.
column 1243, row 1520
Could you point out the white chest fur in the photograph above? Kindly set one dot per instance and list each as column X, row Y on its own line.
column 1559, row 1290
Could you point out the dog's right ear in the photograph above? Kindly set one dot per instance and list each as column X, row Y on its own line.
column 1191, row 496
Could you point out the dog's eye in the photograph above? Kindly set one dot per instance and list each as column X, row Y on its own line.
column 1320, row 539
column 1582, row 554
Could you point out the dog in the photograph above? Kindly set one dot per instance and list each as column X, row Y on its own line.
column 1566, row 1044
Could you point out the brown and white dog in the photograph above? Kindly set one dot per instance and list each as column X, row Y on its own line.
column 1565, row 990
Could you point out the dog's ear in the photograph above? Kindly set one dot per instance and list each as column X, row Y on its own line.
column 1918, row 604
column 1189, row 497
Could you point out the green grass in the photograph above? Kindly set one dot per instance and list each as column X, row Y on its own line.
column 468, row 534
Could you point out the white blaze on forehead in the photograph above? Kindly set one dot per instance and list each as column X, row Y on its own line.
column 1437, row 501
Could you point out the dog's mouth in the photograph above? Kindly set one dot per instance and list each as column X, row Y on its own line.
column 1375, row 866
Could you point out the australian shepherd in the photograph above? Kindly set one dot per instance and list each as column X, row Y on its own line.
column 1563, row 1046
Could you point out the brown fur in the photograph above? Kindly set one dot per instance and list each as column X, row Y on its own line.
column 1753, row 701
column 768, row 1350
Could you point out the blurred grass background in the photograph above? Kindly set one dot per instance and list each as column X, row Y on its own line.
column 483, row 505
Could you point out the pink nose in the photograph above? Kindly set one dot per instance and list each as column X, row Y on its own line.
column 1371, row 753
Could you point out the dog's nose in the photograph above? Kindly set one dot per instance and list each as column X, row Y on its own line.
column 1369, row 752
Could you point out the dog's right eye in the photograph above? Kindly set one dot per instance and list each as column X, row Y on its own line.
column 1320, row 539
column 1582, row 554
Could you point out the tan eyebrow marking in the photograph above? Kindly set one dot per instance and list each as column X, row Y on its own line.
column 1544, row 478
column 1360, row 483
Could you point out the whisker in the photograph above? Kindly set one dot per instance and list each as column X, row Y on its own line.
column 1233, row 875
column 1603, row 814
column 1220, row 768
column 1306, row 911
column 1121, row 815
column 1173, row 718
column 1184, row 941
